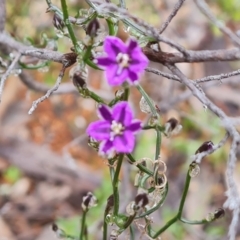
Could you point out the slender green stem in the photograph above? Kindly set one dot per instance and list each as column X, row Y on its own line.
column 105, row 227
column 166, row 226
column 126, row 93
column 157, row 206
column 180, row 210
column 127, row 223
column 115, row 185
column 132, row 235
column 139, row 166
column 69, row 27
column 82, row 232
column 148, row 100
column 95, row 97
column 194, row 222
column 111, row 27
column 184, row 195
column 157, row 154
column 158, row 143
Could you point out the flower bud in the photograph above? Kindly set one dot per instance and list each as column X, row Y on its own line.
column 68, row 59
column 89, row 201
column 206, row 146
column 92, row 28
column 141, row 200
column 110, row 204
column 59, row 232
column 219, row 213
column 78, row 80
column 58, row 22
column 172, row 127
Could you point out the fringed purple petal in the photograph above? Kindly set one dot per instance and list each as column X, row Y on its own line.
column 105, row 113
column 105, row 61
column 124, row 143
column 132, row 75
column 113, row 46
column 132, row 44
column 113, row 76
column 105, row 146
column 135, row 126
column 122, row 113
column 99, row 130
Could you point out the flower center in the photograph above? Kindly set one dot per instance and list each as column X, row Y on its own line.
column 116, row 129
column 123, row 60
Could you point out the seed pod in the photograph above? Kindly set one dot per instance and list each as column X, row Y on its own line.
column 92, row 28
column 206, row 146
column 141, row 200
column 89, row 201
column 58, row 22
column 172, row 127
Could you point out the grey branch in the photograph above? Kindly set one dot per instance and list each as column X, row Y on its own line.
column 193, row 56
column 40, row 87
column 171, row 16
column 218, row 77
column 233, row 198
column 49, row 92
column 45, row 54
column 207, row 12
column 7, row 73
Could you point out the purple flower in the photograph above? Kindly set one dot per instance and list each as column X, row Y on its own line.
column 116, row 129
column 124, row 62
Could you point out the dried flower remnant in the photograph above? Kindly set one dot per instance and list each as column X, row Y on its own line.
column 144, row 106
column 116, row 129
column 124, row 62
column 172, row 127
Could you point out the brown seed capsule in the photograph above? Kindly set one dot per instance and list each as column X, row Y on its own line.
column 110, row 204
column 172, row 127
column 54, row 227
column 206, row 146
column 89, row 200
column 68, row 59
column 92, row 28
column 78, row 80
column 141, row 200
column 58, row 22
column 219, row 213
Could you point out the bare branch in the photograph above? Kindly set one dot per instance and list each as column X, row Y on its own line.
column 218, row 77
column 7, row 73
column 171, row 16
column 49, row 92
column 163, row 74
column 207, row 12
column 193, row 56
column 45, row 54
column 199, row 156
column 233, row 198
column 142, row 26
column 40, row 87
